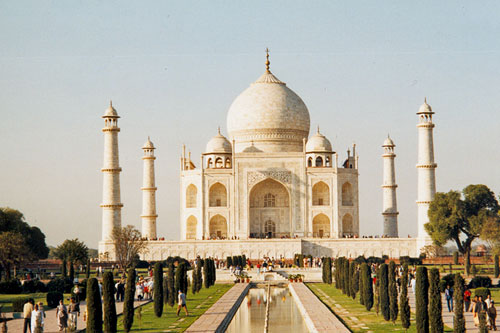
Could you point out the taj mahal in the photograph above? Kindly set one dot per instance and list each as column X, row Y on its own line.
column 271, row 187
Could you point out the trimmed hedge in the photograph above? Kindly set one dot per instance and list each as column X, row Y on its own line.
column 480, row 281
column 18, row 304
column 12, row 286
column 484, row 292
column 53, row 299
column 459, row 318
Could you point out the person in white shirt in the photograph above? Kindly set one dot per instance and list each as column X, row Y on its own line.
column 37, row 320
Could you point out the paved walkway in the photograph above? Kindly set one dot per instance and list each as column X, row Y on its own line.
column 16, row 325
column 218, row 317
column 317, row 316
column 447, row 316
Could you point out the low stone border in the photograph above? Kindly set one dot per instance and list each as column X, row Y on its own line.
column 219, row 316
column 317, row 316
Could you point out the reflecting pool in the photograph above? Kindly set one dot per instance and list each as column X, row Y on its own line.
column 284, row 316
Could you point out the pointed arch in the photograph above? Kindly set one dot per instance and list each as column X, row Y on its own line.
column 347, row 195
column 310, row 162
column 218, row 227
column 319, row 161
column 321, row 226
column 321, row 194
column 191, row 226
column 217, row 195
column 228, row 163
column 219, row 163
column 347, row 225
column 191, row 194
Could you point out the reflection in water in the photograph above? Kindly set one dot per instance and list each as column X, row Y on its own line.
column 284, row 316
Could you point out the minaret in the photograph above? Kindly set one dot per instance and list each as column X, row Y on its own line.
column 149, row 192
column 426, row 169
column 390, row 208
column 111, row 205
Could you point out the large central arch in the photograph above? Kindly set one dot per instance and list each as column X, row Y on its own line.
column 269, row 210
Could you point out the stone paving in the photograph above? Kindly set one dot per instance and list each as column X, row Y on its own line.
column 16, row 325
column 316, row 315
column 447, row 316
column 218, row 317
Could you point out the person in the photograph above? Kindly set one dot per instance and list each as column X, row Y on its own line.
column 492, row 315
column 448, row 293
column 37, row 320
column 77, row 291
column 74, row 313
column 62, row 316
column 473, row 309
column 467, row 295
column 182, row 303
column 488, row 301
column 27, row 310
column 477, row 309
column 413, row 284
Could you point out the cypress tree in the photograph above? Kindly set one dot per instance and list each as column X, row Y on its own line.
column 87, row 270
column 341, row 274
column 71, row 272
column 94, row 307
column 214, row 272
column 367, row 286
column 229, row 262
column 384, row 291
column 361, row 287
column 199, row 275
column 404, row 301
column 329, row 277
column 376, row 292
column 108, row 295
column 128, row 302
column 171, row 284
column 347, row 285
column 337, row 264
column 194, row 280
column 435, row 306
column 393, row 292
column 422, row 300
column 158, row 289
column 352, row 278
column 482, row 322
column 181, row 278
column 165, row 291
column 459, row 319
column 206, row 276
column 64, row 269
column 497, row 268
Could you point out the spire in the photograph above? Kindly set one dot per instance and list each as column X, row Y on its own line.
column 318, row 129
column 267, row 61
column 218, row 130
column 110, row 103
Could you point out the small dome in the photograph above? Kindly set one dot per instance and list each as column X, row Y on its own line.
column 318, row 143
column 110, row 111
column 219, row 144
column 388, row 142
column 148, row 145
column 425, row 108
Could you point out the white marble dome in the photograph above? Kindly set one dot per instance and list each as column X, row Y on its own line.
column 148, row 144
column 318, row 143
column 218, row 144
column 388, row 142
column 425, row 108
column 110, row 111
column 270, row 116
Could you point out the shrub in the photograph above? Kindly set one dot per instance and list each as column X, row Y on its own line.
column 442, row 285
column 53, row 298
column 474, row 270
column 384, row 291
column 352, row 281
column 375, row 260
column 142, row 264
column 367, row 286
column 128, row 303
column 435, row 306
column 449, row 279
column 229, row 262
column 60, row 285
column 484, row 292
column 33, row 286
column 480, row 281
column 347, row 278
column 459, row 319
column 393, row 292
column 12, row 286
column 171, row 285
column 18, row 304
column 158, row 290
column 422, row 300
column 94, row 306
column 108, row 296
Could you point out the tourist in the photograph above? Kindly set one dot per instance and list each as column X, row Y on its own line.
column 492, row 315
column 37, row 320
column 27, row 310
column 473, row 310
column 62, row 316
column 76, row 292
column 182, row 303
column 74, row 313
column 488, row 301
column 448, row 293
column 120, row 291
column 467, row 295
column 413, row 284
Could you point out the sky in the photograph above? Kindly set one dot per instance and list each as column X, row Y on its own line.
column 173, row 69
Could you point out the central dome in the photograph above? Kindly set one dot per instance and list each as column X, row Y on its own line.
column 269, row 116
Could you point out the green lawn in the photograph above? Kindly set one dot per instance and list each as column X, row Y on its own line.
column 169, row 322
column 6, row 300
column 368, row 320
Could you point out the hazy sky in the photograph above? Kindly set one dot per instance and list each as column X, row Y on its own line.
column 173, row 68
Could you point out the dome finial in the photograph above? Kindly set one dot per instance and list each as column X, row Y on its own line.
column 218, row 130
column 318, row 129
column 267, row 61
column 110, row 103
column 425, row 99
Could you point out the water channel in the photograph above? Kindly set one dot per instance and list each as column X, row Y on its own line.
column 284, row 316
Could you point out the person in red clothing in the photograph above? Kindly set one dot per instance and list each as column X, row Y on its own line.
column 467, row 295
